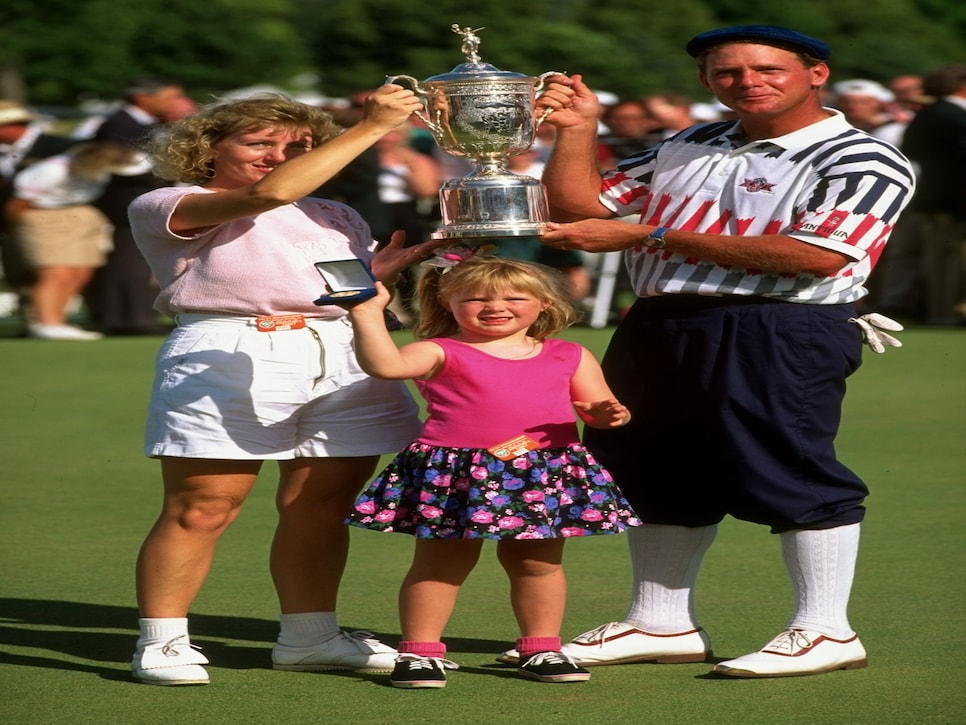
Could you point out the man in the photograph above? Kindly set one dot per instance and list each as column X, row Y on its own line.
column 936, row 141
column 755, row 239
column 121, row 296
column 630, row 128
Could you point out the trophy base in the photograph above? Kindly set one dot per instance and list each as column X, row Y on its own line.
column 484, row 232
column 487, row 206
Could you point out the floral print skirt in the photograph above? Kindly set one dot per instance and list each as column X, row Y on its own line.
column 434, row 492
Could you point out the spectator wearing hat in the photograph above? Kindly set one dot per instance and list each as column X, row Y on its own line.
column 755, row 240
column 865, row 105
column 23, row 139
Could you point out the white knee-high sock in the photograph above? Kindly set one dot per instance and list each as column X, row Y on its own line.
column 306, row 629
column 159, row 630
column 665, row 561
column 821, row 565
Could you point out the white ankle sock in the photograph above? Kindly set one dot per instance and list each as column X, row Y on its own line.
column 305, row 629
column 158, row 630
column 821, row 565
column 665, row 562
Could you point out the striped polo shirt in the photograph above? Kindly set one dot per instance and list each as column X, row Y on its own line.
column 828, row 184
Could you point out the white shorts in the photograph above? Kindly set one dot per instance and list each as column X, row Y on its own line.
column 225, row 390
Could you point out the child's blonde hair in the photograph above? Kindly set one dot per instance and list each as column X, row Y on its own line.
column 494, row 274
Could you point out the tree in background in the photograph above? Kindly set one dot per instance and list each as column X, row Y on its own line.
column 66, row 51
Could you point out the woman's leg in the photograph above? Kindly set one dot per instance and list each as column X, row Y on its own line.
column 309, row 554
column 311, row 542
column 201, row 498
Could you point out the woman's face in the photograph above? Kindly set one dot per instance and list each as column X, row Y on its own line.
column 244, row 158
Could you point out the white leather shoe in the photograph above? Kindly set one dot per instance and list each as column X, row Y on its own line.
column 357, row 650
column 619, row 643
column 175, row 662
column 61, row 332
column 797, row 652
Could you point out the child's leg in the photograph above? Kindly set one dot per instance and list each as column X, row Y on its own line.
column 428, row 593
column 538, row 592
column 538, row 587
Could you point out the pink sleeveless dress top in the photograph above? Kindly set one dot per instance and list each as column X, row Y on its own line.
column 477, row 400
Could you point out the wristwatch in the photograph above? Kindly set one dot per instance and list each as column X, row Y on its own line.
column 655, row 239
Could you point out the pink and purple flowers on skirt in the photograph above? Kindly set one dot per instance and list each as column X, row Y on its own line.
column 435, row 492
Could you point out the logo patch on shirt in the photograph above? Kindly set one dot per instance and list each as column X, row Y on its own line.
column 759, row 184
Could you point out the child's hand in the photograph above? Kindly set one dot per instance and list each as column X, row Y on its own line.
column 603, row 413
column 374, row 306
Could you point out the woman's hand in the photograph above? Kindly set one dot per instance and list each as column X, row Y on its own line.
column 389, row 106
column 392, row 259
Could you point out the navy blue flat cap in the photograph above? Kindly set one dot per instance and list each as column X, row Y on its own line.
column 764, row 34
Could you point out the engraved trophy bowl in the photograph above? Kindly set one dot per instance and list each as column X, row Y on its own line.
column 487, row 115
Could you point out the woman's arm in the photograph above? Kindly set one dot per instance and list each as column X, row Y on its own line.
column 388, row 107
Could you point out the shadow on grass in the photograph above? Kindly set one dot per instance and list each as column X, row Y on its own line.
column 75, row 629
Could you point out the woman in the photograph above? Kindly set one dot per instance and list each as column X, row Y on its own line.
column 255, row 371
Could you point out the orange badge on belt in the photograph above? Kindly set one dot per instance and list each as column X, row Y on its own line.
column 279, row 323
column 508, row 450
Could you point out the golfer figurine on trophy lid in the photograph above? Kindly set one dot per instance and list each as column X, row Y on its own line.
column 486, row 115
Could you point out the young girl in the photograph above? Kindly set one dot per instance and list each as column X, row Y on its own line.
column 498, row 456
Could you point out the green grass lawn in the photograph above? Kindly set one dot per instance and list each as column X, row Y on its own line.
column 78, row 497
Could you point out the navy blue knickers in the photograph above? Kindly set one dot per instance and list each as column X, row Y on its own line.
column 736, row 402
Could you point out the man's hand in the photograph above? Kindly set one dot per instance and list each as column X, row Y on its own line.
column 568, row 102
column 593, row 235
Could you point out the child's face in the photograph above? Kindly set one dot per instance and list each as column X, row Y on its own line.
column 494, row 313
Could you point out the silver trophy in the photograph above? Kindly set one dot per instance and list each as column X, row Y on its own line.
column 486, row 115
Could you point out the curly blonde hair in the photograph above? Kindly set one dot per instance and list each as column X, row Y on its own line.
column 495, row 275
column 183, row 151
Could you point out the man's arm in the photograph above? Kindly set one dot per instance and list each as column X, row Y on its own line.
column 769, row 253
column 571, row 175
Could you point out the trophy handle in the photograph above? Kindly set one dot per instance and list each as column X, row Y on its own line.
column 539, row 87
column 543, row 77
column 419, row 91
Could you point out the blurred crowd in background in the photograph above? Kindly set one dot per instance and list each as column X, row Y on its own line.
column 71, row 270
